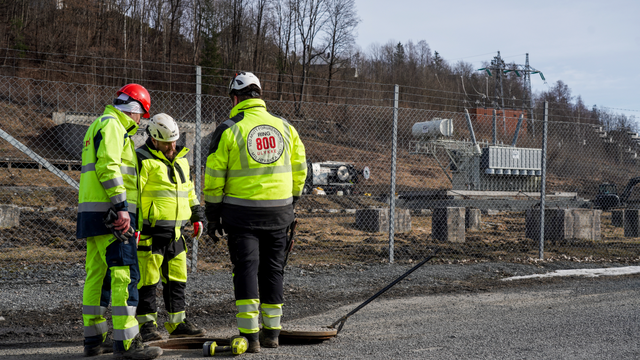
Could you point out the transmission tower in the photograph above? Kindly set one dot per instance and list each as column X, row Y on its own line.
column 527, row 70
column 499, row 67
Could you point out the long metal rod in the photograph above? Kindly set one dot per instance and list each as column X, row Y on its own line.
column 42, row 161
column 495, row 129
column 392, row 198
column 515, row 136
column 343, row 319
column 544, row 178
column 476, row 147
column 198, row 141
column 197, row 159
column 435, row 156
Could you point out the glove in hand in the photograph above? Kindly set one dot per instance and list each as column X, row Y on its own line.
column 197, row 229
column 109, row 219
column 215, row 231
column 295, row 201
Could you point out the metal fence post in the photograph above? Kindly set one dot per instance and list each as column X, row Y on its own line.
column 392, row 199
column 197, row 158
column 198, row 141
column 544, row 178
column 495, row 129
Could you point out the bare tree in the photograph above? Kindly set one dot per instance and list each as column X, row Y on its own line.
column 342, row 21
column 284, row 35
column 261, row 7
column 310, row 18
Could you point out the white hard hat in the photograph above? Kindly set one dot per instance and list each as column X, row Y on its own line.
column 162, row 127
column 242, row 80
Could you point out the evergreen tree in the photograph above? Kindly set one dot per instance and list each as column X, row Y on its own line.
column 211, row 62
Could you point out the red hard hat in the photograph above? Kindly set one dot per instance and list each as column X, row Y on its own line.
column 138, row 93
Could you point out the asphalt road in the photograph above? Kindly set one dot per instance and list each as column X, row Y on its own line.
column 568, row 318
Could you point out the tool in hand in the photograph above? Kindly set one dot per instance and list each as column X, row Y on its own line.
column 320, row 333
column 290, row 240
column 109, row 218
column 238, row 346
column 343, row 319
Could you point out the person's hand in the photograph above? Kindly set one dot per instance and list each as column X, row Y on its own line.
column 197, row 229
column 123, row 221
column 214, row 230
column 295, row 200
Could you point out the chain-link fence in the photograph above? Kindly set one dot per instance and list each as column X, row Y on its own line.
column 467, row 182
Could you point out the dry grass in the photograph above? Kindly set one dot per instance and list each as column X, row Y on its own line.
column 41, row 254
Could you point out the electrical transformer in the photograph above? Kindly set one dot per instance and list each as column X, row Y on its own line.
column 498, row 168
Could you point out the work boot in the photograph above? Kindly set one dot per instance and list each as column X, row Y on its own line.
column 96, row 349
column 138, row 351
column 107, row 345
column 149, row 332
column 254, row 343
column 186, row 329
column 269, row 338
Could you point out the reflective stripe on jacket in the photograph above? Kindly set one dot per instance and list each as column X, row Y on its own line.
column 166, row 189
column 109, row 172
column 255, row 159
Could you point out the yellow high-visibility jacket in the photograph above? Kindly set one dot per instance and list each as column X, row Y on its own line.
column 109, row 172
column 166, row 190
column 256, row 165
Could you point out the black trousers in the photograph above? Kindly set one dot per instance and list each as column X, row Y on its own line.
column 161, row 263
column 258, row 263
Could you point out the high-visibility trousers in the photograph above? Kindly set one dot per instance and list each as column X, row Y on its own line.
column 162, row 257
column 258, row 267
column 112, row 274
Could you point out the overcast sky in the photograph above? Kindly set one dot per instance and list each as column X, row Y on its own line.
column 591, row 45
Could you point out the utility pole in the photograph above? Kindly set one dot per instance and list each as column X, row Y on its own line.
column 498, row 65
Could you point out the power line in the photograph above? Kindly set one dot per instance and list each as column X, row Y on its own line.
column 362, row 86
column 291, row 76
column 99, row 67
column 96, row 57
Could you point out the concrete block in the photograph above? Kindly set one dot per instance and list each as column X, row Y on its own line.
column 563, row 224
column 472, row 219
column 9, row 216
column 448, row 224
column 617, row 218
column 632, row 222
column 377, row 220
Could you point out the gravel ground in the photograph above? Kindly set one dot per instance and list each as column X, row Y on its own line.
column 45, row 305
column 568, row 318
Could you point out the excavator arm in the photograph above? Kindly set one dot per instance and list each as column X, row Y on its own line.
column 624, row 197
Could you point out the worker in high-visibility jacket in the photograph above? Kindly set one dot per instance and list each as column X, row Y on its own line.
column 255, row 173
column 108, row 181
column 167, row 202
